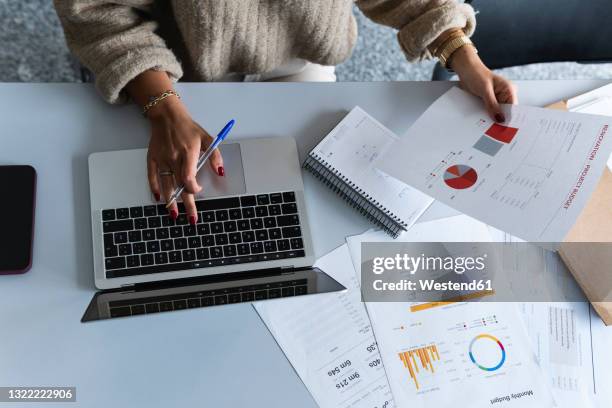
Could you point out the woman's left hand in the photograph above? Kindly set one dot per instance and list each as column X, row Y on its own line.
column 477, row 79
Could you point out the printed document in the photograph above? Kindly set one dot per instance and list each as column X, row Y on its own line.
column 329, row 341
column 530, row 177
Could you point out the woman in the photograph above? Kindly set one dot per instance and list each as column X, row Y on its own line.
column 138, row 48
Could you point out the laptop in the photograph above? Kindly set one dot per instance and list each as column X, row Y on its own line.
column 252, row 240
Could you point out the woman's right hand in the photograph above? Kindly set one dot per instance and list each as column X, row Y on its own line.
column 175, row 146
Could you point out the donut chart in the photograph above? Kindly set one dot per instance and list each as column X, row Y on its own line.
column 487, row 337
column 460, row 177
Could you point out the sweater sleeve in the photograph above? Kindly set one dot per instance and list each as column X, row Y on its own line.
column 116, row 40
column 419, row 22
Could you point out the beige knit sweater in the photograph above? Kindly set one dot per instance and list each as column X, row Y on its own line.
column 202, row 40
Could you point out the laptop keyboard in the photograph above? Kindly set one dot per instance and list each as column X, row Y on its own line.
column 232, row 230
column 182, row 301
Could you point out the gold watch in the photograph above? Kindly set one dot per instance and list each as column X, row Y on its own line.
column 447, row 50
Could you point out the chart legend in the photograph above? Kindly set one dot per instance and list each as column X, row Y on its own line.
column 460, row 177
column 425, row 356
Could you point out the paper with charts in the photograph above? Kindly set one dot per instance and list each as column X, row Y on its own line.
column 458, row 354
column 530, row 177
column 329, row 341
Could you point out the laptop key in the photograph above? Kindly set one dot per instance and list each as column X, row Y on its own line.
column 189, row 255
column 114, row 263
column 161, row 258
column 287, row 220
column 116, row 226
column 167, row 245
column 133, row 261
column 181, row 219
column 289, row 208
column 263, row 199
column 162, row 210
column 167, row 221
column 125, row 249
column 248, row 212
column 180, row 243
column 270, row 222
column 248, row 236
column 235, row 214
column 270, row 246
column 165, row 306
column 291, row 232
column 135, row 236
column 162, row 233
column 229, row 250
column 230, row 226
column 261, row 294
column 274, row 210
column 193, row 302
column 256, row 248
column 256, row 223
column 189, row 230
column 261, row 235
column 203, row 229
column 276, row 198
column 274, row 293
column 120, row 311
column 243, row 249
column 275, row 233
column 221, row 300
column 283, row 244
column 261, row 211
column 247, row 201
column 221, row 215
column 108, row 239
column 138, row 309
column 135, row 212
column 176, row 232
column 148, row 235
column 108, row 215
column 202, row 253
column 147, row 259
column 122, row 213
column 289, row 197
column 285, row 292
column 153, row 246
column 243, row 225
column 121, row 237
column 207, row 216
column 152, row 307
column 216, row 227
column 110, row 251
column 150, row 210
column 154, row 222
column 194, row 242
column 233, row 298
column 247, row 296
column 235, row 238
column 221, row 239
column 139, row 248
column 175, row 256
column 140, row 223
column 208, row 240
column 297, row 243
column 207, row 301
column 216, row 252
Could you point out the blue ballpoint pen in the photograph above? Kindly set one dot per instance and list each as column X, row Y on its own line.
column 203, row 158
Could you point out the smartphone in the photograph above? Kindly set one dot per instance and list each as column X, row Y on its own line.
column 17, row 204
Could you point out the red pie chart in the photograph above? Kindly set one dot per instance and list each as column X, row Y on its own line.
column 460, row 177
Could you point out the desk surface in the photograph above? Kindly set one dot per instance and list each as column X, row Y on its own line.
column 222, row 356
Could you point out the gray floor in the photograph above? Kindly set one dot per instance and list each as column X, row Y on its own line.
column 32, row 49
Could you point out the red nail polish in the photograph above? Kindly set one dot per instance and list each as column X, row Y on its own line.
column 221, row 171
column 500, row 118
column 192, row 219
column 173, row 214
column 156, row 196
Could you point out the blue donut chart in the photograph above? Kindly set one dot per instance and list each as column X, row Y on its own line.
column 499, row 343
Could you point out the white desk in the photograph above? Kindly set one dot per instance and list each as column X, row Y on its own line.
column 218, row 357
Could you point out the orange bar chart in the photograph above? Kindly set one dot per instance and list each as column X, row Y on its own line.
column 425, row 356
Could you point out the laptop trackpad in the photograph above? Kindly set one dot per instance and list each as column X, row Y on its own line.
column 230, row 184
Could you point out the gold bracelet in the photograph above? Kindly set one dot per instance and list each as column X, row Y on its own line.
column 451, row 46
column 154, row 100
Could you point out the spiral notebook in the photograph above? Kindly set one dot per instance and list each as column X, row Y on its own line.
column 344, row 161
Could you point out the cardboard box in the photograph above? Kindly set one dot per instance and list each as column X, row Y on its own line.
column 587, row 248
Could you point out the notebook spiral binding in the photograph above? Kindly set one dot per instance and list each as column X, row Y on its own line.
column 354, row 196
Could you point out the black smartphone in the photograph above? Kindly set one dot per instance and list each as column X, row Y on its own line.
column 17, row 204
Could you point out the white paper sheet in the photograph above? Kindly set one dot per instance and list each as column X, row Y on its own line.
column 530, row 177
column 352, row 147
column 329, row 341
column 460, row 354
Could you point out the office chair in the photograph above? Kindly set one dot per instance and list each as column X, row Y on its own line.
column 519, row 32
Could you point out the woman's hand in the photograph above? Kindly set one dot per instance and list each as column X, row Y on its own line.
column 477, row 79
column 174, row 148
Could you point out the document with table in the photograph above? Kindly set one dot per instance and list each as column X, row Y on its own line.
column 530, row 176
